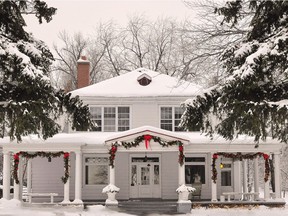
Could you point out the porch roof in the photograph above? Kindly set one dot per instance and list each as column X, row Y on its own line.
column 196, row 139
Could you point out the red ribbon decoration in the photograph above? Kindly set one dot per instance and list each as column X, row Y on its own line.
column 147, row 139
column 266, row 156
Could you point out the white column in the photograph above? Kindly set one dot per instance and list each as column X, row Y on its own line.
column 67, row 192
column 6, row 175
column 266, row 187
column 266, row 190
column 66, row 198
column 256, row 177
column 78, row 177
column 213, row 185
column 277, row 175
column 237, row 178
column 181, row 174
column 245, row 176
column 112, row 175
column 29, row 176
column 17, row 186
column 214, row 191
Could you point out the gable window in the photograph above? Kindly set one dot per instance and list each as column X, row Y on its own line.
column 170, row 117
column 96, row 170
column 110, row 119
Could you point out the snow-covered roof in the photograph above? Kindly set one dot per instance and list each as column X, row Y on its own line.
column 126, row 85
column 99, row 138
column 64, row 138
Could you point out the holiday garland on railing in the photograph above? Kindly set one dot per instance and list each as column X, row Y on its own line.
column 146, row 138
column 240, row 156
column 42, row 154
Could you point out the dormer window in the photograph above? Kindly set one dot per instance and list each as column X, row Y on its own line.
column 144, row 79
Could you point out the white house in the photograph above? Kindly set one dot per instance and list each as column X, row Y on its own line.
column 139, row 148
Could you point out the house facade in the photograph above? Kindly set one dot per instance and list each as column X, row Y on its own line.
column 139, row 148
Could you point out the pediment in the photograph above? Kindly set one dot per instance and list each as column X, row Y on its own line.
column 130, row 135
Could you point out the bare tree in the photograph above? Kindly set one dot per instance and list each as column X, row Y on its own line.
column 188, row 50
column 210, row 37
column 67, row 56
column 111, row 39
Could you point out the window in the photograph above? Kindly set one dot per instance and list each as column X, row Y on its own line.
column 96, row 113
column 170, row 118
column 195, row 170
column 178, row 111
column 123, row 118
column 110, row 119
column 166, row 118
column 226, row 174
column 96, row 170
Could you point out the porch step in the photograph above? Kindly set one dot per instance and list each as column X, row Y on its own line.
column 140, row 207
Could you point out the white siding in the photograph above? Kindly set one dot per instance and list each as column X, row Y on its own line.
column 122, row 175
column 169, row 178
column 145, row 114
column 46, row 177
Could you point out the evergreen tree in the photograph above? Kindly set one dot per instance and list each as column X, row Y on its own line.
column 28, row 102
column 253, row 98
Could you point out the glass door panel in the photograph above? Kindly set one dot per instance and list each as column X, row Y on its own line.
column 145, row 175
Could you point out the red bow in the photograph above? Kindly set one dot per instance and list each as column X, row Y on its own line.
column 147, row 139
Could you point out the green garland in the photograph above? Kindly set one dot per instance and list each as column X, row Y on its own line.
column 42, row 154
column 140, row 139
column 240, row 156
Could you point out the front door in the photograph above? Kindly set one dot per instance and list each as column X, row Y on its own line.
column 145, row 177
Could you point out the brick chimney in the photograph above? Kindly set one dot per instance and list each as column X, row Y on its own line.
column 83, row 76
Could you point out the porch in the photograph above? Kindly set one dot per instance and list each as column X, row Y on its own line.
column 159, row 160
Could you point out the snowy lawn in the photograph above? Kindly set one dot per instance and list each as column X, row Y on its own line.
column 12, row 208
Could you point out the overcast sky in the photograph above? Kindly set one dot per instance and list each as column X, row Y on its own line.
column 84, row 15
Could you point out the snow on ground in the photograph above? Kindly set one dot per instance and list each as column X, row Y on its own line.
column 13, row 208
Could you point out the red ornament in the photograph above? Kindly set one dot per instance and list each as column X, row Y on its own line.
column 215, row 156
column 266, row 156
column 16, row 156
column 114, row 148
column 181, row 148
column 66, row 155
column 147, row 139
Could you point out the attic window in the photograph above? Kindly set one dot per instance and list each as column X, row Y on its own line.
column 144, row 80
